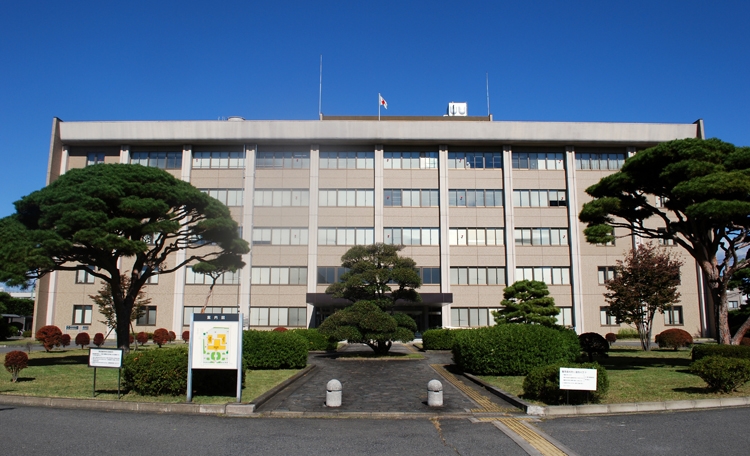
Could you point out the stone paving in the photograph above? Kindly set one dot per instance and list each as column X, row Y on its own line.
column 385, row 386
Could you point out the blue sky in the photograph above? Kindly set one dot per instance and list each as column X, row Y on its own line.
column 642, row 61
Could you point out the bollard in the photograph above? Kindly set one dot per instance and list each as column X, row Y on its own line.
column 434, row 393
column 333, row 393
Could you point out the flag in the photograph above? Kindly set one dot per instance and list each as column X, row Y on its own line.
column 383, row 102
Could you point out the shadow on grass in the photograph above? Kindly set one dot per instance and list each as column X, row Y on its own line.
column 63, row 360
column 694, row 390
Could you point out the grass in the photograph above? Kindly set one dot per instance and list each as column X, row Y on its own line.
column 20, row 342
column 65, row 373
column 639, row 376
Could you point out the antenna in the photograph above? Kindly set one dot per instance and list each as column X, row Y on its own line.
column 487, row 78
column 320, row 92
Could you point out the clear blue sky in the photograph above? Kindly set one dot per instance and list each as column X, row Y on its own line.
column 642, row 61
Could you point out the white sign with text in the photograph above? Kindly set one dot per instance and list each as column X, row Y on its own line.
column 577, row 379
column 105, row 357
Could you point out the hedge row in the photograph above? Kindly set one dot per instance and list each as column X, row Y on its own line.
column 274, row 349
column 316, row 341
column 726, row 351
column 439, row 339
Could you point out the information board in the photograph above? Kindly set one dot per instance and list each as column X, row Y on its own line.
column 105, row 357
column 215, row 341
column 577, row 379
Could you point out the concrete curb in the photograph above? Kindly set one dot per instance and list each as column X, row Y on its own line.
column 601, row 409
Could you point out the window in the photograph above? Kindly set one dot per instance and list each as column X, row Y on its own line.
column 477, row 276
column 218, row 160
column 346, row 236
column 476, row 236
column 664, row 240
column 330, row 274
column 148, row 318
column 463, row 317
column 411, row 236
column 475, row 198
column 280, row 236
column 606, row 273
column 94, row 158
column 565, row 317
column 539, row 198
column 82, row 315
column 228, row 196
column 430, row 276
column 282, row 160
column 410, row 159
column 346, row 197
column 673, row 316
column 538, row 160
column 282, row 197
column 187, row 311
column 475, row 160
column 279, row 275
column 733, row 304
column 596, row 159
column 84, row 276
column 661, row 201
column 194, row 278
column 347, row 160
column 605, row 318
column 163, row 160
column 541, row 236
column 546, row 274
column 278, row 316
column 411, row 197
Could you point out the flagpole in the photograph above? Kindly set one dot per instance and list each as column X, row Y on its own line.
column 379, row 103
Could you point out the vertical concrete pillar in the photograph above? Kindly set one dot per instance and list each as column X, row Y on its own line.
column 178, row 300
column 379, row 184
column 509, row 217
column 248, row 206
column 312, row 229
column 575, row 240
column 445, row 258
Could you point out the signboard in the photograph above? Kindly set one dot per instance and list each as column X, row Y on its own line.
column 214, row 341
column 577, row 379
column 105, row 357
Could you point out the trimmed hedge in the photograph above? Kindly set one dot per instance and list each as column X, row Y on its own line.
column 726, row 351
column 513, row 349
column 316, row 341
column 439, row 339
column 274, row 350
column 722, row 374
column 627, row 333
column 543, row 383
column 674, row 338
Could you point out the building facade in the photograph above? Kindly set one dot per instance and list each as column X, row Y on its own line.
column 478, row 204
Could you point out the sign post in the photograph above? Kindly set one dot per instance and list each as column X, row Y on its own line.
column 215, row 343
column 110, row 358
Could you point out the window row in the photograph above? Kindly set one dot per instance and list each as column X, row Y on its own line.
column 94, row 158
column 279, row 276
column 538, row 160
column 606, row 273
column 410, row 160
column 475, row 160
column 278, row 316
column 347, row 160
column 218, row 160
column 467, row 317
column 163, row 160
column 280, row 236
column 672, row 317
column 84, row 276
column 412, row 236
column 476, row 236
column 282, row 197
column 347, row 197
column 187, row 311
column 411, row 197
column 282, row 160
column 195, row 278
column 228, row 196
column 82, row 314
column 541, row 236
column 148, row 317
column 477, row 276
column 429, row 276
column 330, row 274
column 346, row 236
column 475, row 198
column 548, row 275
column 539, row 198
column 599, row 161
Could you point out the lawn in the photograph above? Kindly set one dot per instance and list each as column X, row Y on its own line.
column 65, row 373
column 639, row 376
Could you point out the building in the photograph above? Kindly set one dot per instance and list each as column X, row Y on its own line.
column 477, row 203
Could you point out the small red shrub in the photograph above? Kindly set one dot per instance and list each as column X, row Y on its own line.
column 65, row 340
column 98, row 339
column 14, row 362
column 280, row 329
column 131, row 338
column 186, row 336
column 142, row 337
column 611, row 338
column 172, row 336
column 50, row 336
column 83, row 339
column 161, row 337
column 674, row 338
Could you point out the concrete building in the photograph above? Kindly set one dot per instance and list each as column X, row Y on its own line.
column 477, row 204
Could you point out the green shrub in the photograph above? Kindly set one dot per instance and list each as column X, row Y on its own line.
column 439, row 339
column 722, row 374
column 726, row 351
column 274, row 350
column 513, row 349
column 27, row 333
column 593, row 343
column 316, row 341
column 674, row 338
column 543, row 383
column 627, row 333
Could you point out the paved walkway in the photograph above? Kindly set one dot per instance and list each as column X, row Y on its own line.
column 383, row 386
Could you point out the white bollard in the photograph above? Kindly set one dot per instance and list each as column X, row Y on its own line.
column 333, row 393
column 434, row 393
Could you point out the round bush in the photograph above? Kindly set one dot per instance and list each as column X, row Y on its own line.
column 141, row 337
column 98, row 339
column 65, row 340
column 593, row 343
column 161, row 336
column 543, row 383
column 15, row 361
column 172, row 336
column 722, row 374
column 50, row 336
column 513, row 349
column 274, row 350
column 316, row 341
column 611, row 338
column 438, row 339
column 186, row 336
column 83, row 339
column 674, row 338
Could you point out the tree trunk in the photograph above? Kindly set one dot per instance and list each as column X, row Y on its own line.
column 644, row 334
column 723, row 334
column 123, row 311
column 380, row 347
column 737, row 339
